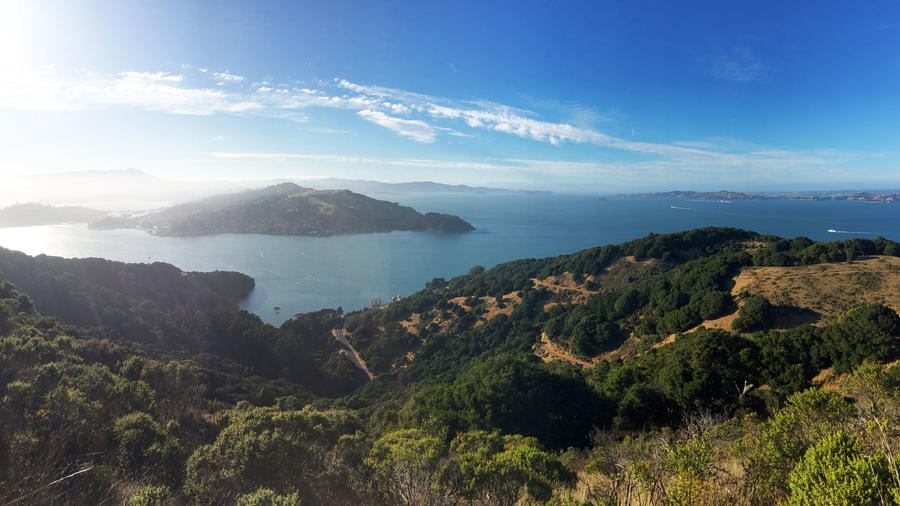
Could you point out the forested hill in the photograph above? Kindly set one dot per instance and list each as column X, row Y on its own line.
column 287, row 209
column 713, row 366
column 190, row 313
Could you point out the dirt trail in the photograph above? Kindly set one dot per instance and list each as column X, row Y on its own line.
column 549, row 351
column 338, row 334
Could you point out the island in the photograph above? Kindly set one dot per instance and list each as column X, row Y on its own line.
column 32, row 214
column 286, row 209
column 728, row 196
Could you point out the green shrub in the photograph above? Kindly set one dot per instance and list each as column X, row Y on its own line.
column 267, row 497
column 145, row 448
column 149, row 495
column 498, row 469
column 833, row 472
column 807, row 417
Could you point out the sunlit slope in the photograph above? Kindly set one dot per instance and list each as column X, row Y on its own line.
column 615, row 301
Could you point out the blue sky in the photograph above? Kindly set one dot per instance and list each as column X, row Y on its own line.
column 595, row 96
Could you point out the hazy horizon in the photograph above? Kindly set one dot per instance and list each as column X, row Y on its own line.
column 573, row 97
column 132, row 189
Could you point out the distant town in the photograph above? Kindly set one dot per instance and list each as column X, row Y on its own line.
column 728, row 196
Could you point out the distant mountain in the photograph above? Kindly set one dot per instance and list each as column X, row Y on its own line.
column 131, row 189
column 379, row 187
column 287, row 209
column 110, row 189
column 24, row 215
column 877, row 196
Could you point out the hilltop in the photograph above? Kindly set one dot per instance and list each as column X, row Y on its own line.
column 368, row 187
column 286, row 209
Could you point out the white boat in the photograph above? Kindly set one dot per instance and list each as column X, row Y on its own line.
column 833, row 231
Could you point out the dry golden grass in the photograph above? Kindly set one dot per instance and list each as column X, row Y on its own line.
column 548, row 351
column 818, row 293
column 829, row 290
column 566, row 283
column 828, row 380
column 411, row 323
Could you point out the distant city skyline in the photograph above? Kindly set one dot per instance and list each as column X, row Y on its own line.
column 562, row 96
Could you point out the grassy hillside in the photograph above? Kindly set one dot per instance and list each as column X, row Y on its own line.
column 591, row 378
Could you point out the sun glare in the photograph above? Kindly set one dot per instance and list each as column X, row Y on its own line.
column 14, row 31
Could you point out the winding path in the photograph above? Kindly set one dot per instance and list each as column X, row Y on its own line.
column 338, row 334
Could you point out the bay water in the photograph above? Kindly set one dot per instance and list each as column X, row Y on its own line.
column 301, row 274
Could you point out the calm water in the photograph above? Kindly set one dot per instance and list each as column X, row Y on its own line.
column 302, row 274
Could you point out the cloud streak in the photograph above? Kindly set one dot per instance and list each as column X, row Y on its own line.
column 45, row 90
column 410, row 128
column 414, row 116
column 756, row 166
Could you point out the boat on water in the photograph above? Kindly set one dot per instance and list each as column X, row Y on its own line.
column 833, row 231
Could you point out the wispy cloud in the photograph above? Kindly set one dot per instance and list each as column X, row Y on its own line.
column 738, row 64
column 43, row 89
column 415, row 116
column 227, row 76
column 483, row 115
column 752, row 167
column 411, row 128
column 696, row 144
column 575, row 112
column 392, row 108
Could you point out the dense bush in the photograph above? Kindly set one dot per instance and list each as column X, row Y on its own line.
column 754, row 314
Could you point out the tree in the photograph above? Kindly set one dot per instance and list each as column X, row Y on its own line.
column 519, row 396
column 753, row 314
column 436, row 283
column 868, row 332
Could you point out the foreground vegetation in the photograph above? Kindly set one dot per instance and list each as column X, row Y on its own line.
column 143, row 384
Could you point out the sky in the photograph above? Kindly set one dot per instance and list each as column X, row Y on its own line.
column 567, row 96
